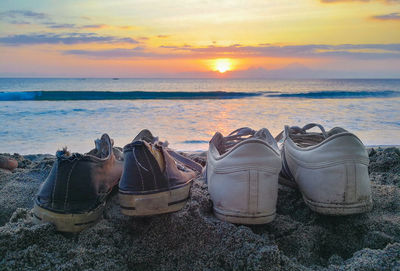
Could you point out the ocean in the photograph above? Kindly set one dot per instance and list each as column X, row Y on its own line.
column 42, row 115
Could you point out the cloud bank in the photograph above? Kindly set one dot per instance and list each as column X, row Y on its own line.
column 23, row 13
column 388, row 17
column 359, row 51
column 23, row 17
column 66, row 38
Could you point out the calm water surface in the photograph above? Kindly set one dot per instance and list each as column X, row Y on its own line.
column 38, row 116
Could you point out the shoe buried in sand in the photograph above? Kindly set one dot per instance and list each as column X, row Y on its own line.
column 74, row 194
column 242, row 176
column 155, row 179
column 330, row 169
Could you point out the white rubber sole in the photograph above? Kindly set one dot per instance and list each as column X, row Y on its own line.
column 339, row 209
column 332, row 208
column 155, row 203
column 245, row 219
column 67, row 222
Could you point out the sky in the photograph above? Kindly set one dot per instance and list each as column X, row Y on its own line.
column 200, row 38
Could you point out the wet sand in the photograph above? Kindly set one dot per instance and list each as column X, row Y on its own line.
column 193, row 239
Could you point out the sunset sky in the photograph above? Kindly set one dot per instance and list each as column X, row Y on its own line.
column 200, row 38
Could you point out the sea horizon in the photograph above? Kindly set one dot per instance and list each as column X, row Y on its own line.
column 211, row 78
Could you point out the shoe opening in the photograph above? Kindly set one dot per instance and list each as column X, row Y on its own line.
column 304, row 138
column 224, row 144
column 157, row 153
column 102, row 147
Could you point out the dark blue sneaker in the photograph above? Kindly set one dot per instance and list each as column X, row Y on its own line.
column 155, row 179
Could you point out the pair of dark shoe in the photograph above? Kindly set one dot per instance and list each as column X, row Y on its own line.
column 152, row 180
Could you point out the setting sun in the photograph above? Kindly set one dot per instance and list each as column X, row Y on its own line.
column 222, row 65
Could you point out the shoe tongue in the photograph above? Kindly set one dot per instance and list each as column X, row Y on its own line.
column 145, row 135
column 266, row 135
column 157, row 153
column 97, row 144
column 101, row 146
column 65, row 151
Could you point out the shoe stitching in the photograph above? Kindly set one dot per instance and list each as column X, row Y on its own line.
column 158, row 190
column 152, row 169
column 167, row 177
column 249, row 191
column 338, row 205
column 137, row 165
column 355, row 181
column 361, row 204
column 54, row 189
column 314, row 165
column 225, row 170
column 68, row 179
column 137, row 161
column 258, row 189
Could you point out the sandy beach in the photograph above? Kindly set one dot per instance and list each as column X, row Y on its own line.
column 322, row 76
column 193, row 239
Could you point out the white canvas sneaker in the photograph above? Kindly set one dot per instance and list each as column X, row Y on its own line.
column 242, row 175
column 330, row 169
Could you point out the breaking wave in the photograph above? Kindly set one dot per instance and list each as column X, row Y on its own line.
column 176, row 95
column 121, row 95
column 338, row 94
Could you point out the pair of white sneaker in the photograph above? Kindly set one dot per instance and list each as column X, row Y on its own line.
column 329, row 168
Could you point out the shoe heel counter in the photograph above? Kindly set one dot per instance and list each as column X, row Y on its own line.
column 355, row 182
column 347, row 147
column 247, row 191
column 140, row 171
column 68, row 187
column 46, row 189
column 340, row 183
column 358, row 185
column 253, row 154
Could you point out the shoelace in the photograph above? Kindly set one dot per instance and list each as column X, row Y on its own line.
column 300, row 135
column 184, row 161
column 237, row 136
column 245, row 133
column 302, row 138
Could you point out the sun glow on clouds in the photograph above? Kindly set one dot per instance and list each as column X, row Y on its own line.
column 222, row 65
column 119, row 40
